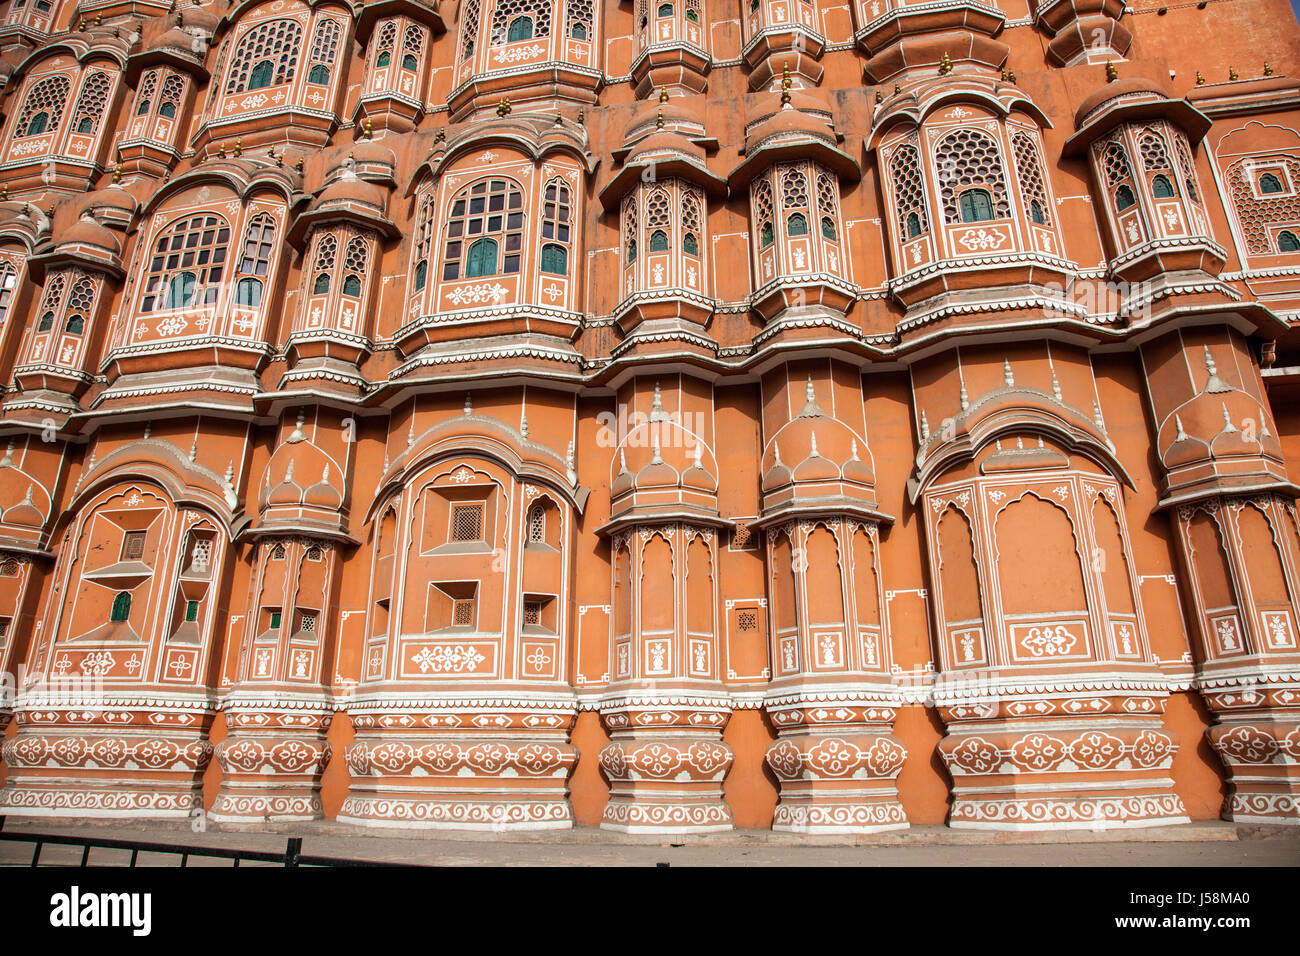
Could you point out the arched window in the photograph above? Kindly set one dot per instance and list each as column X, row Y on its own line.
column 1287, row 241
column 690, row 245
column 173, row 87
column 665, row 9
column 270, row 50
column 828, row 227
column 578, row 15
column 255, row 263
column 322, row 284
column 46, row 323
column 659, row 241
column 555, row 259
column 195, row 246
column 248, row 293
column 514, row 20
column 144, row 99
column 1124, row 198
column 323, row 47
column 469, row 21
column 492, row 209
column 43, row 108
column 1162, row 188
column 318, row 74
column 409, row 62
column 356, row 258
column 384, row 59
column 521, row 28
column 8, row 280
column 762, row 206
column 180, row 290
column 555, row 228
column 797, row 224
column 965, row 158
column 93, row 101
column 1269, row 183
column 631, row 251
column 1029, row 173
column 909, row 193
column 537, row 524
column 481, row 259
column 261, row 75
column 121, row 607
column 976, row 205
column 423, row 240
column 81, row 300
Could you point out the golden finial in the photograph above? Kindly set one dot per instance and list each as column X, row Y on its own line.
column 4, row 192
column 945, row 64
column 880, row 97
column 1232, row 73
column 180, row 18
column 503, row 108
column 370, row 129
column 239, row 149
column 1011, row 75
column 442, row 135
column 897, row 88
column 1200, row 80
column 1268, row 70
column 221, row 151
column 559, row 119
column 117, row 174
column 50, row 212
column 1112, row 74
column 785, row 85
column 83, row 25
column 99, row 19
column 663, row 94
column 117, row 33
column 659, row 120
column 1004, row 76
column 299, row 165
column 582, row 116
column 279, row 160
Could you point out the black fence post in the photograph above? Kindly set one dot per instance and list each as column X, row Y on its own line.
column 293, row 851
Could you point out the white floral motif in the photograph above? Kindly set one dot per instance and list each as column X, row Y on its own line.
column 453, row 658
column 982, row 239
column 1048, row 641
column 515, row 54
column 482, row 292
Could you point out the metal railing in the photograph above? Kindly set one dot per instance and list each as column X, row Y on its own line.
column 291, row 856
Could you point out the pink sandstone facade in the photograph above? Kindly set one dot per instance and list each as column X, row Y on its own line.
column 666, row 415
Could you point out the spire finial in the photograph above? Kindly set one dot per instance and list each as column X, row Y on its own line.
column 1056, row 385
column 469, row 404
column 809, row 392
column 148, row 429
column 785, row 85
column 925, row 427
column 1178, row 425
column 8, row 459
column 1227, row 420
column 194, row 448
column 663, row 94
column 523, row 423
column 570, row 470
column 239, row 148
column 1268, row 70
column 945, row 64
column 1200, row 80
column 1007, row 375
column 1232, row 73
column 658, row 458
column 503, row 107
column 699, row 455
column 659, row 120
column 1112, row 72
column 622, row 461
column 813, row 453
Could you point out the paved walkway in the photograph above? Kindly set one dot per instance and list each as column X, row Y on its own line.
column 1199, row 844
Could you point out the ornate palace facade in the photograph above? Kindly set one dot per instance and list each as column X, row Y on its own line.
column 667, row 415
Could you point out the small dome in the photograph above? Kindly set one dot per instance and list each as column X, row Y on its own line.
column 1130, row 89
column 323, row 494
column 87, row 232
column 657, row 474
column 366, row 152
column 349, row 190
column 24, row 514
